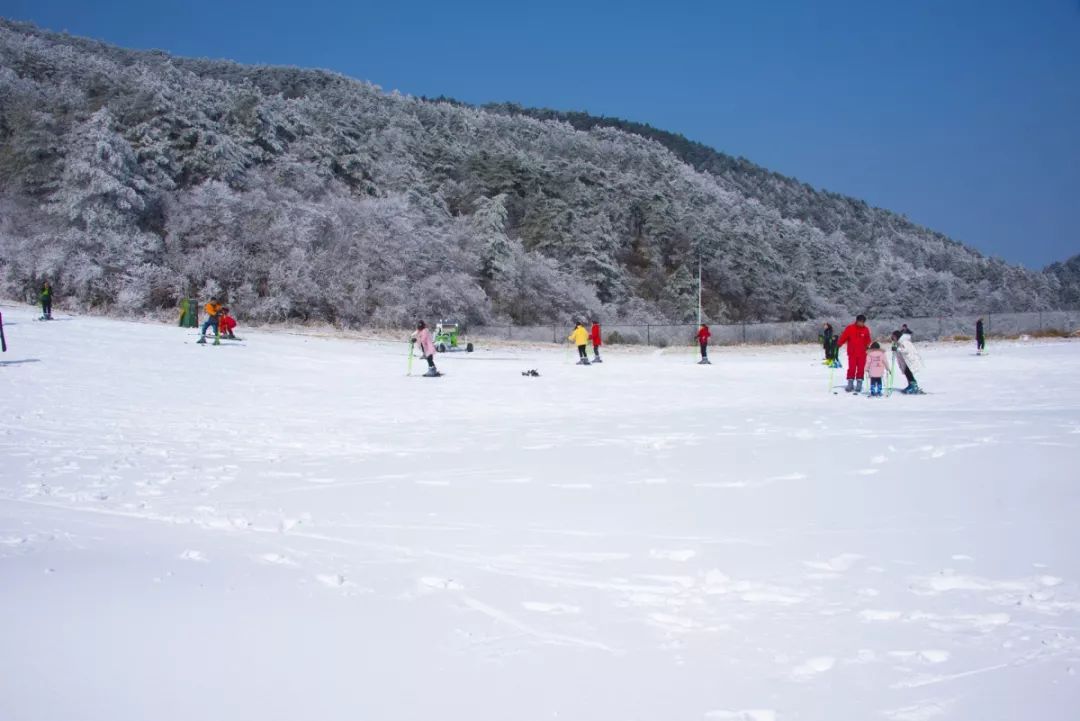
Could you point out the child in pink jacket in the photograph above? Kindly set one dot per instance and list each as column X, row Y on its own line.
column 876, row 367
column 422, row 337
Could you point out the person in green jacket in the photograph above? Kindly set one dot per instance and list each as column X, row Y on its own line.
column 46, row 301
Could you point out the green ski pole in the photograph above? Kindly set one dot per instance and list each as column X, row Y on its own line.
column 408, row 370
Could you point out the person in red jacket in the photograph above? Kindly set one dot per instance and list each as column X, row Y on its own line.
column 857, row 337
column 594, row 335
column 703, row 341
column 226, row 324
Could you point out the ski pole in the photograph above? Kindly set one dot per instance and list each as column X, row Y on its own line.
column 892, row 368
column 408, row 370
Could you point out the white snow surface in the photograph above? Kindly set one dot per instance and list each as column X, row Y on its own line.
column 289, row 527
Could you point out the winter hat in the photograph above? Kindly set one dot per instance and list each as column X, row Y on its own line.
column 420, row 325
column 875, row 346
column 896, row 334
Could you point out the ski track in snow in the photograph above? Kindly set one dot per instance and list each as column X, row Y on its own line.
column 564, row 547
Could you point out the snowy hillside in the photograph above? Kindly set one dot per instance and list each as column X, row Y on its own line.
column 131, row 179
column 291, row 528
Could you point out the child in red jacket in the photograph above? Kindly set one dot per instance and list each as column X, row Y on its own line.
column 226, row 324
column 594, row 335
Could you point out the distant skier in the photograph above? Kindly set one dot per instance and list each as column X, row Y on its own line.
column 422, row 337
column 594, row 335
column 857, row 337
column 213, row 308
column 580, row 337
column 876, row 367
column 980, row 337
column 46, row 296
column 909, row 359
column 827, row 337
column 904, row 330
column 226, row 324
column 703, row 336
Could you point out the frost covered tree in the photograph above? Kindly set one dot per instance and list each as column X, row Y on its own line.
column 135, row 178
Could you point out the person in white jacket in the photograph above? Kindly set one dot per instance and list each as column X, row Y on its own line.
column 910, row 360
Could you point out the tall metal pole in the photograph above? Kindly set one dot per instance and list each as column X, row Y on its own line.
column 699, row 290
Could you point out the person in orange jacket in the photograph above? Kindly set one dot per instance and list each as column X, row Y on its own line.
column 858, row 339
column 703, row 336
column 213, row 308
column 594, row 335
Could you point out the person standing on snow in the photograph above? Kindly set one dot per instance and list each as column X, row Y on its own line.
column 876, row 367
column 422, row 337
column 703, row 336
column 594, row 335
column 910, row 360
column 580, row 338
column 212, row 310
column 857, row 337
column 980, row 337
column 827, row 336
column 46, row 301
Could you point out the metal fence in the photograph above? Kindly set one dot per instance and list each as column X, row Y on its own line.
column 1065, row 322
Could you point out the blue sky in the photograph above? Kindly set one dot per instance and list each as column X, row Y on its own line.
column 962, row 114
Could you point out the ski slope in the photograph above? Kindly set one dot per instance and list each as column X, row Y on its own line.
column 291, row 528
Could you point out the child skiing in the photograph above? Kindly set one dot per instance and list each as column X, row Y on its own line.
column 876, row 367
column 857, row 337
column 213, row 308
column 980, row 337
column 703, row 336
column 594, row 335
column 580, row 338
column 910, row 361
column 46, row 301
column 422, row 337
column 226, row 325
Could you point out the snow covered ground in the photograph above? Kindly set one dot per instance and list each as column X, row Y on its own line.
column 291, row 528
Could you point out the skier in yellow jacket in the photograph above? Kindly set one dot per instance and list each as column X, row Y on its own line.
column 580, row 338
